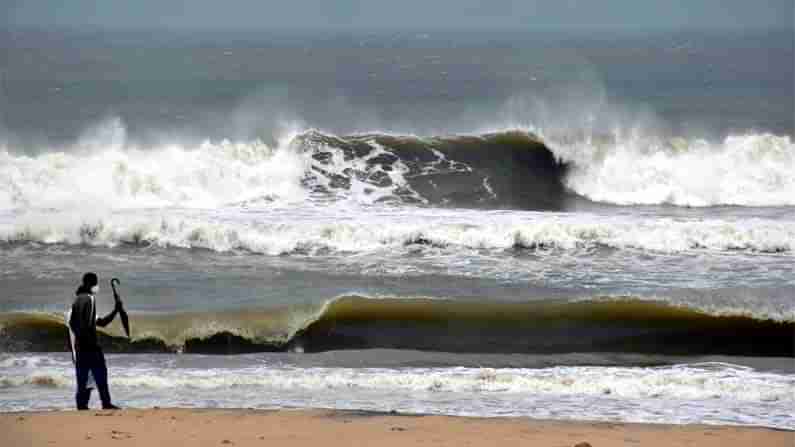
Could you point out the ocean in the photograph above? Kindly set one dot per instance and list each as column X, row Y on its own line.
column 555, row 225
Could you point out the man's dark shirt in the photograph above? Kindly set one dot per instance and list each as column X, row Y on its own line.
column 84, row 322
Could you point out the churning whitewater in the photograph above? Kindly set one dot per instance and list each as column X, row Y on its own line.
column 41, row 195
column 512, row 168
column 712, row 392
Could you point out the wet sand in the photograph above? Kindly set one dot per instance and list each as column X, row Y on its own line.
column 213, row 427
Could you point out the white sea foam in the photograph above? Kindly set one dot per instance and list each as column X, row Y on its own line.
column 630, row 169
column 311, row 230
column 362, row 175
column 171, row 175
column 683, row 382
column 29, row 362
column 679, row 382
column 703, row 393
column 104, row 171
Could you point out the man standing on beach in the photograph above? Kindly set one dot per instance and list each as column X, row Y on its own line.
column 88, row 356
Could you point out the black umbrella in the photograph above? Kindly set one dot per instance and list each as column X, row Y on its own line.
column 125, row 320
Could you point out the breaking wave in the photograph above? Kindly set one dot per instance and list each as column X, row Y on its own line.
column 630, row 325
column 743, row 170
column 505, row 169
column 319, row 232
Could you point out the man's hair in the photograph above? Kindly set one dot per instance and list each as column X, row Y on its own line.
column 90, row 279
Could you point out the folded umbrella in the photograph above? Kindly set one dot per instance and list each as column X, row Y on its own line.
column 125, row 320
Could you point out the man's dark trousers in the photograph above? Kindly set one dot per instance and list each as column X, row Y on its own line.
column 93, row 361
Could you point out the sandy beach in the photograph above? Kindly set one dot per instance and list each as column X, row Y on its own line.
column 204, row 427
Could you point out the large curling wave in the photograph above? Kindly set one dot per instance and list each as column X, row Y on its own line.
column 503, row 169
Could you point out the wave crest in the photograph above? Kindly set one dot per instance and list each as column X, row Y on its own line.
column 506, row 169
column 628, row 324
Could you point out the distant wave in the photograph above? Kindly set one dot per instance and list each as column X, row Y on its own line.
column 353, row 322
column 505, row 169
column 452, row 232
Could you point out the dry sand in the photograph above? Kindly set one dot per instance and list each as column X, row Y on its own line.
column 184, row 427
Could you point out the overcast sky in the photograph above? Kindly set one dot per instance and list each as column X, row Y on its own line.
column 400, row 14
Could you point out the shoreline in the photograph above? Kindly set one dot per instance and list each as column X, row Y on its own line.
column 312, row 427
